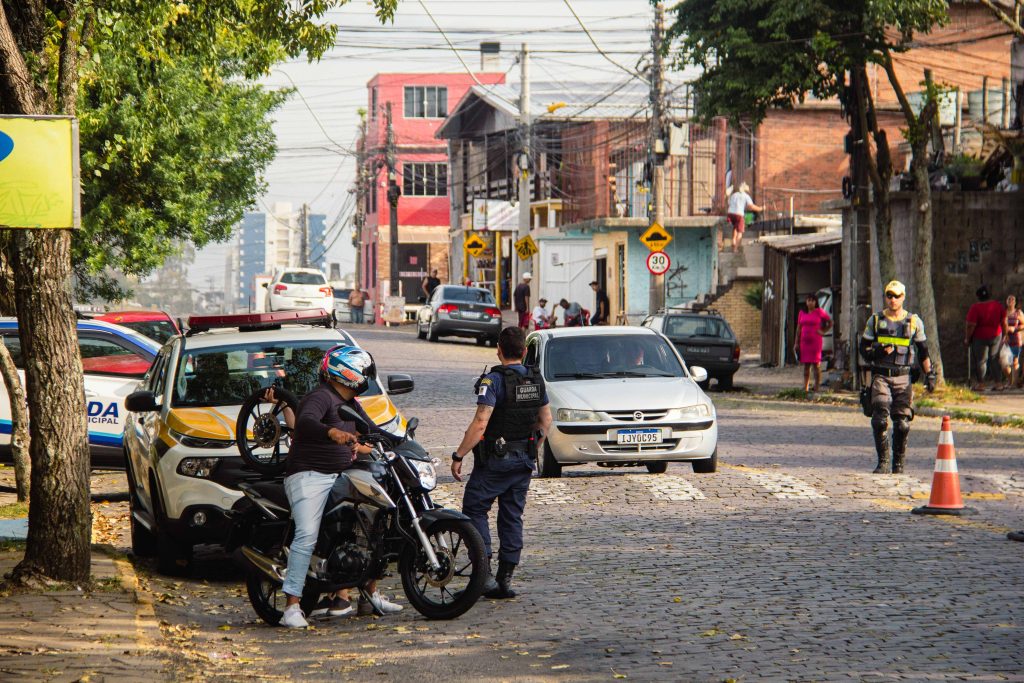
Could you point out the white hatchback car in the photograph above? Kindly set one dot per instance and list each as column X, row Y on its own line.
column 622, row 396
column 294, row 289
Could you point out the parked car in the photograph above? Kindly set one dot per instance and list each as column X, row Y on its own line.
column 180, row 448
column 114, row 359
column 621, row 396
column 459, row 311
column 342, row 313
column 294, row 289
column 702, row 338
column 157, row 325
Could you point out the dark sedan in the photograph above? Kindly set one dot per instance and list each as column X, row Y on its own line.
column 457, row 311
column 703, row 339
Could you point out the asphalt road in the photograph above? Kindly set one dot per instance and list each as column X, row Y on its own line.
column 790, row 563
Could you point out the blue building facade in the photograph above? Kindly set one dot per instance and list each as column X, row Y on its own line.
column 252, row 255
column 317, row 248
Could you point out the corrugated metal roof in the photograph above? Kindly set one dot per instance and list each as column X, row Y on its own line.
column 792, row 244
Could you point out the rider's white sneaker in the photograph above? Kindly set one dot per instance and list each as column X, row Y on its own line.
column 293, row 617
column 380, row 602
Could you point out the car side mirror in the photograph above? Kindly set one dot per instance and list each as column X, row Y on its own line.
column 400, row 384
column 141, row 401
column 349, row 414
column 698, row 374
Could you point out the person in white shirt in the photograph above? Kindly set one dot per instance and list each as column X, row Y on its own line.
column 739, row 203
column 541, row 318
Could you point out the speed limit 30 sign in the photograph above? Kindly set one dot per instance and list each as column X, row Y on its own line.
column 658, row 262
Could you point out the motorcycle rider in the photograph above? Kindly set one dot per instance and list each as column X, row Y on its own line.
column 323, row 446
column 511, row 409
column 891, row 340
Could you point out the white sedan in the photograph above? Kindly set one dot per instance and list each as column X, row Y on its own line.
column 622, row 396
column 299, row 289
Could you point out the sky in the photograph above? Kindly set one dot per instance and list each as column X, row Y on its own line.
column 316, row 128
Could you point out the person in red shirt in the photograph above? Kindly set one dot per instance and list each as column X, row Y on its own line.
column 984, row 333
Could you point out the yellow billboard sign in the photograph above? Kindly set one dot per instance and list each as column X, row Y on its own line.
column 39, row 172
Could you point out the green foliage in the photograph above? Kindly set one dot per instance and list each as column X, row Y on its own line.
column 757, row 54
column 965, row 166
column 755, row 295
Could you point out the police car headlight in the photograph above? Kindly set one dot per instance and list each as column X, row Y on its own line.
column 199, row 442
column 200, row 468
column 570, row 415
column 686, row 412
column 427, row 474
column 393, row 426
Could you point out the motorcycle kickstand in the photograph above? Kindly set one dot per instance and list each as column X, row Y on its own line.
column 365, row 595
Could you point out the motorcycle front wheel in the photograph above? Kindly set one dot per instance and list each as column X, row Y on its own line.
column 448, row 592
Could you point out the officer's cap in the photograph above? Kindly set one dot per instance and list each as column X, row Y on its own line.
column 896, row 287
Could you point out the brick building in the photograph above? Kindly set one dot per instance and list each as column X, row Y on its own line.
column 419, row 104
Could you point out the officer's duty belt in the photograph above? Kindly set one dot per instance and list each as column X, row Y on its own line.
column 890, row 372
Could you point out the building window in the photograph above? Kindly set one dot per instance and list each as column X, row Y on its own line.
column 430, row 102
column 373, row 102
column 425, row 180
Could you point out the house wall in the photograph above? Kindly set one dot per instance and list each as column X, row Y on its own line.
column 693, row 252
column 744, row 319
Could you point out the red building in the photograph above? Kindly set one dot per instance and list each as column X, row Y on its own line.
column 419, row 104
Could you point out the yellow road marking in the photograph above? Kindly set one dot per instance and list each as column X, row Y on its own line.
column 143, row 602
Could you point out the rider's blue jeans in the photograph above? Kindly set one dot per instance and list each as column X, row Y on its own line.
column 307, row 494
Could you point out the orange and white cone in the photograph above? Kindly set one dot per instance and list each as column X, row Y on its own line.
column 945, row 497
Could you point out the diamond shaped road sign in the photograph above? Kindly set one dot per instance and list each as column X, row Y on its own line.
column 656, row 237
column 474, row 245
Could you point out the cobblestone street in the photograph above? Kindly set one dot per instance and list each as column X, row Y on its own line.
column 792, row 562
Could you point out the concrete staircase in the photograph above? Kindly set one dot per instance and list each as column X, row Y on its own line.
column 747, row 263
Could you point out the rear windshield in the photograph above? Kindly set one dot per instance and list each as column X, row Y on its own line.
column 303, row 279
column 599, row 357
column 227, row 375
column 696, row 326
column 157, row 330
column 342, row 293
column 477, row 296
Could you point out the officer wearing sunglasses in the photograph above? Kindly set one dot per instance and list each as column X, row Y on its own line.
column 893, row 341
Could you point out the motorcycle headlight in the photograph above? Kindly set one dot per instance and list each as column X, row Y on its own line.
column 200, row 468
column 427, row 474
column 199, row 442
column 686, row 412
column 570, row 415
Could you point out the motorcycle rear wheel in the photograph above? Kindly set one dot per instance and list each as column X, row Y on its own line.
column 449, row 593
column 268, row 599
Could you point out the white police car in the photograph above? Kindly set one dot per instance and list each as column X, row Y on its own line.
column 114, row 359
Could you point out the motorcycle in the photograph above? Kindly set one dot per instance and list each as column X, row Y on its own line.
column 379, row 512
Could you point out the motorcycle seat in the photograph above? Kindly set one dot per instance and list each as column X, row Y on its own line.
column 272, row 491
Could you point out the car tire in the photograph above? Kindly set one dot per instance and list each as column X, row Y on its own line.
column 173, row 557
column 705, row 385
column 432, row 332
column 549, row 468
column 657, row 467
column 706, row 466
column 420, row 334
column 481, row 341
column 144, row 543
column 725, row 383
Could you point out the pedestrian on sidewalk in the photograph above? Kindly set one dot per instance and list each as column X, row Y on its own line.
column 1013, row 325
column 512, row 417
column 521, row 301
column 602, row 305
column 813, row 324
column 893, row 340
column 429, row 284
column 739, row 203
column 984, row 332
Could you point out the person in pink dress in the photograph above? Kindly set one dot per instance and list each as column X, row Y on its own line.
column 812, row 325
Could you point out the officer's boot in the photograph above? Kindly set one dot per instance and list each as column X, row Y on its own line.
column 878, row 426
column 900, row 434
column 504, row 581
column 490, row 585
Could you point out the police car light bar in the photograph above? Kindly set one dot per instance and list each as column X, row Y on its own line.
column 246, row 322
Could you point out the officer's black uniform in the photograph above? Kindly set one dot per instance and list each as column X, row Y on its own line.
column 892, row 392
column 504, row 461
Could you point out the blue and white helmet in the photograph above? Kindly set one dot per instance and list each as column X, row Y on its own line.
column 350, row 366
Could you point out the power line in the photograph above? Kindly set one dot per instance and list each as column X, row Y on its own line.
column 598, row 47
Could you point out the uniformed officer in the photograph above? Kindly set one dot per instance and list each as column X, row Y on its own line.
column 512, row 417
column 893, row 339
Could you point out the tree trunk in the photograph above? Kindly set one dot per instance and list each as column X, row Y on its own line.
column 19, row 423
column 59, row 519
column 925, row 293
column 879, row 166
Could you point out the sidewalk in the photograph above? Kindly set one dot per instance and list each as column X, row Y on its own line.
column 995, row 406
column 67, row 634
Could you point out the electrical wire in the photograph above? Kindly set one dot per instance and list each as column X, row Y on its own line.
column 598, row 47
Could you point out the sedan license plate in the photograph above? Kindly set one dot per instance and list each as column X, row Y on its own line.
column 638, row 436
column 698, row 349
column 472, row 315
column 302, row 303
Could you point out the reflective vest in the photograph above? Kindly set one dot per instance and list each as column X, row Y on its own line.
column 898, row 334
column 515, row 416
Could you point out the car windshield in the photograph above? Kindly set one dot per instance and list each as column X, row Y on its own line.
column 303, row 279
column 685, row 326
column 613, row 355
column 477, row 296
column 157, row 330
column 227, row 375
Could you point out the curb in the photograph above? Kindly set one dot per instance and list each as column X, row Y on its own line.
column 144, row 610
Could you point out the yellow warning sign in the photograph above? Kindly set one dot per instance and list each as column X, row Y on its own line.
column 474, row 245
column 526, row 247
column 656, row 237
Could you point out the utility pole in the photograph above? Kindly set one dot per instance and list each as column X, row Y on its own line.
column 524, row 164
column 393, row 194
column 657, row 150
column 304, row 238
column 859, row 306
column 360, row 218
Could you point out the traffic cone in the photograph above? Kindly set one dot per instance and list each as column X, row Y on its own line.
column 945, row 498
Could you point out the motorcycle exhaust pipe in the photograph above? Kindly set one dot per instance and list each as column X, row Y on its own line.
column 273, row 571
